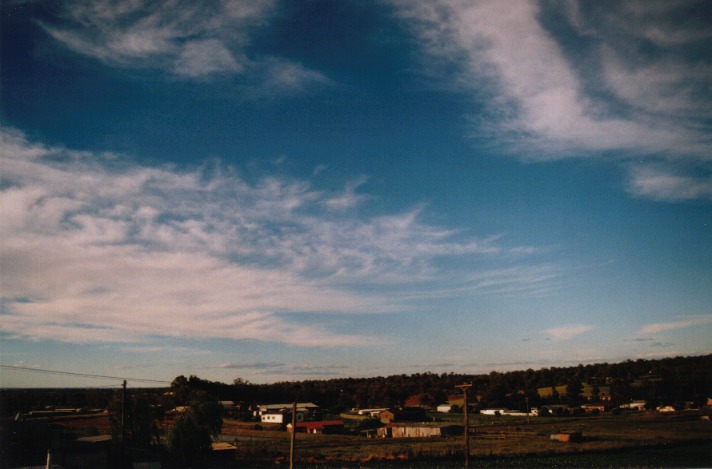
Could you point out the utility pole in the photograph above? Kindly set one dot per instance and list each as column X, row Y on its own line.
column 293, row 438
column 464, row 388
column 123, row 422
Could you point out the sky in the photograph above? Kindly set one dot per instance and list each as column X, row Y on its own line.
column 282, row 190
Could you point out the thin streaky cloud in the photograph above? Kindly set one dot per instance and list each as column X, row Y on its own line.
column 254, row 365
column 568, row 332
column 659, row 327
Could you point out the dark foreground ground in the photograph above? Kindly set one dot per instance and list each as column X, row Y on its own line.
column 639, row 440
column 634, row 441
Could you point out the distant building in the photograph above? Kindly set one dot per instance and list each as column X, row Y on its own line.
column 370, row 412
column 456, row 400
column 445, row 408
column 567, row 437
column 418, row 400
column 323, row 426
column 410, row 414
column 509, row 413
column 635, row 405
column 276, row 416
column 362, row 414
column 418, row 431
column 275, row 413
column 594, row 408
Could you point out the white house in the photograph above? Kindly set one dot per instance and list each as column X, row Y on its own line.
column 445, row 408
column 275, row 416
column 635, row 405
column 494, row 411
column 276, row 413
column 370, row 412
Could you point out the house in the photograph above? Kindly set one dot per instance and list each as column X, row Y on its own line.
column 229, row 408
column 323, row 426
column 446, row 408
column 408, row 414
column 418, row 400
column 276, row 416
column 635, row 405
column 594, row 408
column 493, row 411
column 275, row 413
column 373, row 413
column 456, row 400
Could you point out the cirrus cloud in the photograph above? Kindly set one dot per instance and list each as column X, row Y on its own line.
column 97, row 248
column 659, row 327
column 558, row 80
column 567, row 332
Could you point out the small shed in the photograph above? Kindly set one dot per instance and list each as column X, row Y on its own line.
column 567, row 437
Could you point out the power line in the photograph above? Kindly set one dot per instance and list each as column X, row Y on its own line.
column 83, row 375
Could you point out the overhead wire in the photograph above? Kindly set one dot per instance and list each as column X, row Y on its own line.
column 82, row 375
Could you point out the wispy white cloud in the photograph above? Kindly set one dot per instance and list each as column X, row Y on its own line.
column 253, row 365
column 587, row 92
column 661, row 183
column 568, row 332
column 187, row 39
column 659, row 327
column 97, row 248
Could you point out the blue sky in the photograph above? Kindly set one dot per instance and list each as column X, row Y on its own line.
column 305, row 190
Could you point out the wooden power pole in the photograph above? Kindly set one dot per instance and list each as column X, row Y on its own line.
column 123, row 422
column 293, row 436
column 464, row 388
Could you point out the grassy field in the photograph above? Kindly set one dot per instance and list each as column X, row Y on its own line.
column 637, row 440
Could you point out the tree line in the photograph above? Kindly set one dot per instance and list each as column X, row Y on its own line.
column 667, row 381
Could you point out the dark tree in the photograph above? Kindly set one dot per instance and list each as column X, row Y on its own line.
column 190, row 439
column 574, row 388
column 140, row 427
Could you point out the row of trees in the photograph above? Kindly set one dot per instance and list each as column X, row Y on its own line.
column 664, row 381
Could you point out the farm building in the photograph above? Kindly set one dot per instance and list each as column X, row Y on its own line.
column 324, row 426
column 418, row 431
column 411, row 414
